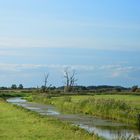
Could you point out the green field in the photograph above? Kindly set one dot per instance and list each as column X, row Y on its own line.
column 123, row 108
column 133, row 100
column 17, row 123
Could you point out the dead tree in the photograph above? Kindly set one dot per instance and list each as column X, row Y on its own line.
column 69, row 79
column 44, row 87
column 46, row 80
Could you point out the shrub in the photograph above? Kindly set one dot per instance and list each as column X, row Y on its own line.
column 134, row 88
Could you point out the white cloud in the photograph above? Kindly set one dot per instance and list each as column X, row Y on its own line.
column 22, row 67
column 119, row 70
column 115, row 70
column 18, row 67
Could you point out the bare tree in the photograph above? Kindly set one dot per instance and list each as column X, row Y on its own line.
column 70, row 79
column 44, row 87
column 46, row 80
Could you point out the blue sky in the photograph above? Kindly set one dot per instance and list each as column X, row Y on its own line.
column 100, row 39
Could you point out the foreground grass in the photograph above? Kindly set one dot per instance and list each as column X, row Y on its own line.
column 20, row 124
column 124, row 108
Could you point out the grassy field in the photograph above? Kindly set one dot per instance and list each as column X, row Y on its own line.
column 20, row 124
column 124, row 108
column 133, row 100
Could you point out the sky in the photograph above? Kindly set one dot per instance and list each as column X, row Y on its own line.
column 99, row 39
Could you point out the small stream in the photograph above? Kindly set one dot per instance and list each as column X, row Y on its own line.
column 105, row 128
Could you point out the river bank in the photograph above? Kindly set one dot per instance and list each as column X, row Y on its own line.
column 104, row 128
column 121, row 110
column 18, row 123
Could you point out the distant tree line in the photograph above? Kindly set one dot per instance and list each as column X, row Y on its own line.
column 70, row 85
column 98, row 88
column 13, row 86
column 76, row 88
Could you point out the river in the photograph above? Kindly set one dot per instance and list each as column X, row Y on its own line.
column 107, row 129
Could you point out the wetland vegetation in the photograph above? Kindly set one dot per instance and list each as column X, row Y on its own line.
column 123, row 108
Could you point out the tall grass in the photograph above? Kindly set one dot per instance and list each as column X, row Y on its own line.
column 110, row 108
column 119, row 110
column 107, row 108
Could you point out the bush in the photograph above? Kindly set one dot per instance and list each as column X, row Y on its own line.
column 134, row 88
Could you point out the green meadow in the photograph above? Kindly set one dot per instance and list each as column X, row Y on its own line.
column 17, row 123
column 132, row 100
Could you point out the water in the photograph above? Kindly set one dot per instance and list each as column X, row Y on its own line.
column 105, row 128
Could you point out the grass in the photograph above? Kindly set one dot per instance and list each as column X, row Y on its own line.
column 17, row 123
column 134, row 100
column 6, row 95
column 123, row 108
